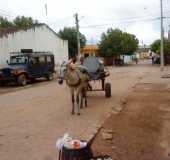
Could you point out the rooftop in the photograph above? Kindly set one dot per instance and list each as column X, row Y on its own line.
column 89, row 49
column 11, row 30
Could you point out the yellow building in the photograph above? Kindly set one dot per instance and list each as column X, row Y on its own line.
column 90, row 50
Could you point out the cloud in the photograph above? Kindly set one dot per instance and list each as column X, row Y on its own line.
column 146, row 34
column 128, row 15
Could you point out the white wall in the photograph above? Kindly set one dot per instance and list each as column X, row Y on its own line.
column 40, row 38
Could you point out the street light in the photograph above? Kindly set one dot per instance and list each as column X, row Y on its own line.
column 162, row 37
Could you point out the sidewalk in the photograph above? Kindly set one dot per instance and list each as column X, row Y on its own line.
column 141, row 128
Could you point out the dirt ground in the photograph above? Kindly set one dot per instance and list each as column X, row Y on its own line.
column 141, row 128
column 33, row 118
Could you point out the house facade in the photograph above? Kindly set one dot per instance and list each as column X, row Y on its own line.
column 91, row 50
column 38, row 38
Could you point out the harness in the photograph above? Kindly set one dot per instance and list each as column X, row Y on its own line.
column 73, row 78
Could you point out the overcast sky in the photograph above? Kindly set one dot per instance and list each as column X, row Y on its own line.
column 139, row 17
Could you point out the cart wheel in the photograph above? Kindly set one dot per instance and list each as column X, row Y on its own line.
column 2, row 84
column 108, row 90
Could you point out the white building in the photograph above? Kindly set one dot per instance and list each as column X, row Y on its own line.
column 38, row 38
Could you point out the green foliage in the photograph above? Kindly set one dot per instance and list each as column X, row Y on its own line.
column 156, row 45
column 70, row 34
column 19, row 22
column 4, row 22
column 117, row 42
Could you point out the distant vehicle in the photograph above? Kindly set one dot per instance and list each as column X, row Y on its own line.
column 26, row 66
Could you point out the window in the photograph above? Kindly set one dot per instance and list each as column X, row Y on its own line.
column 49, row 60
column 42, row 59
column 34, row 60
column 18, row 59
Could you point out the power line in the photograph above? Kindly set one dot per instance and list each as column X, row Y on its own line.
column 148, row 15
column 128, row 21
column 129, row 18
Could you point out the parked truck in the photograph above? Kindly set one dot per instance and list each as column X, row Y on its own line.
column 27, row 66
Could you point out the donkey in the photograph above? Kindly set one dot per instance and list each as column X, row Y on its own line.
column 77, row 80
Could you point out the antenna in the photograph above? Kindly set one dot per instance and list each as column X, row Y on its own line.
column 46, row 9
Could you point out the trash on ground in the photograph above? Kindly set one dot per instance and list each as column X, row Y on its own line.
column 70, row 143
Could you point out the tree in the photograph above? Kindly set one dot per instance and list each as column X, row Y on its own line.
column 19, row 22
column 4, row 22
column 23, row 21
column 156, row 45
column 117, row 42
column 70, row 34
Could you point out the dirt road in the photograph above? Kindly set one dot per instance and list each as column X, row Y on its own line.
column 32, row 119
column 141, row 130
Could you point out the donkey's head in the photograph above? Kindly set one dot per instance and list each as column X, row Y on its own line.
column 62, row 72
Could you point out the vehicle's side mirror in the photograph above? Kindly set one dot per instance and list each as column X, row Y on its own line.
column 26, row 61
column 30, row 62
column 7, row 61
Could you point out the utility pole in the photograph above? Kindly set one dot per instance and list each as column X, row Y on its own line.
column 162, row 38
column 142, row 44
column 78, row 35
column 169, row 33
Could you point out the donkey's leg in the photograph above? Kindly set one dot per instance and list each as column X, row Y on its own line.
column 73, row 100
column 85, row 97
column 78, row 104
column 72, row 96
column 81, row 99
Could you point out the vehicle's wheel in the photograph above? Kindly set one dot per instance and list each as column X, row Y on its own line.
column 50, row 76
column 2, row 84
column 108, row 90
column 22, row 80
column 32, row 80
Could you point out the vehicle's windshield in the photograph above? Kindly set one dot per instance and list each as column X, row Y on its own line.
column 18, row 59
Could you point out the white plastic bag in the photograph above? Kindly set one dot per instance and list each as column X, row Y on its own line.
column 68, row 142
column 75, row 144
column 61, row 141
